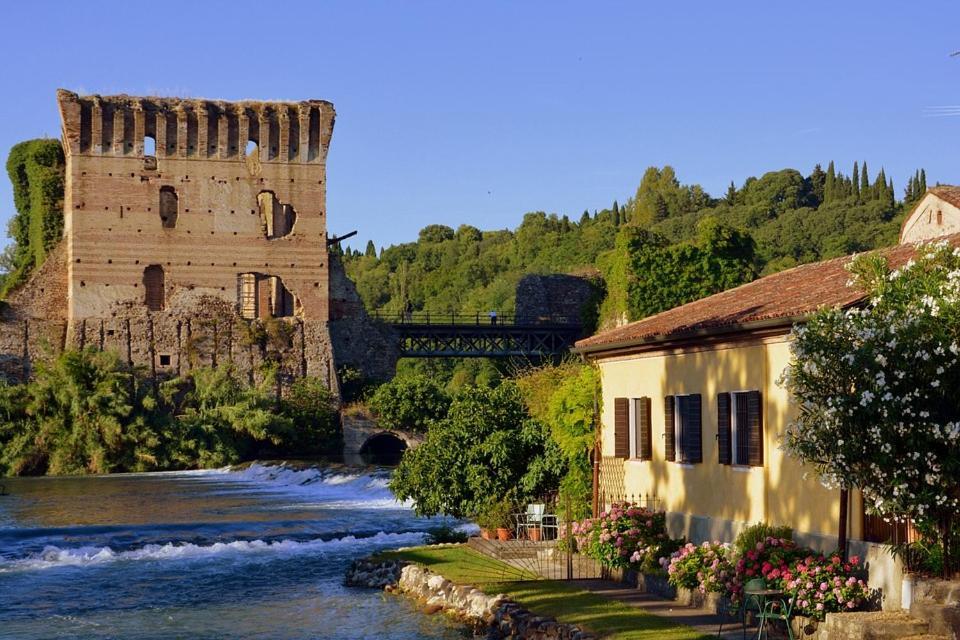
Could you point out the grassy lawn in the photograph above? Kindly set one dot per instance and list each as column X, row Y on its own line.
column 562, row 600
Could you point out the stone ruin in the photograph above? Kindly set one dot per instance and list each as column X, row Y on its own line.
column 195, row 234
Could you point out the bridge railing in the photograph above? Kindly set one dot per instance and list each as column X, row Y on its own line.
column 479, row 318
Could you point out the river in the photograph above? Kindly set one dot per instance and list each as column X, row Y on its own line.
column 254, row 553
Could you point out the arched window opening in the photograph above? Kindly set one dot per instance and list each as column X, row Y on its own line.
column 169, row 207
column 251, row 148
column 276, row 217
column 939, row 217
column 153, row 284
column 149, row 153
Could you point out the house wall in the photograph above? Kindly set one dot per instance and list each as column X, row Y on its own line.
column 709, row 500
column 931, row 218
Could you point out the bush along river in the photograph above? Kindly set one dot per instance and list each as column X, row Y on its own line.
column 253, row 553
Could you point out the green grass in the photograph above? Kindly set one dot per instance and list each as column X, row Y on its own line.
column 564, row 601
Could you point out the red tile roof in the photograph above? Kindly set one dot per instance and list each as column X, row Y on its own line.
column 788, row 295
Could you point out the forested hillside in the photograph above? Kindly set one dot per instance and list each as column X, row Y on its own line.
column 668, row 244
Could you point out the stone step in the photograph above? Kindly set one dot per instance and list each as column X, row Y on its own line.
column 872, row 625
column 943, row 619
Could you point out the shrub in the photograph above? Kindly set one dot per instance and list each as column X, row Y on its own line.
column 625, row 536
column 759, row 532
column 826, row 585
column 707, row 567
column 820, row 584
column 496, row 514
column 311, row 408
column 445, row 534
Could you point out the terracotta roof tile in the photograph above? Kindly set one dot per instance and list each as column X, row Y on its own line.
column 947, row 192
column 786, row 295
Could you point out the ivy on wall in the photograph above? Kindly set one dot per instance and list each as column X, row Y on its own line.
column 36, row 169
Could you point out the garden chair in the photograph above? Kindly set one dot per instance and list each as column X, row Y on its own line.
column 533, row 517
column 738, row 610
column 778, row 609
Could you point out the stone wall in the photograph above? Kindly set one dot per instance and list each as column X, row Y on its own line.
column 541, row 297
column 359, row 342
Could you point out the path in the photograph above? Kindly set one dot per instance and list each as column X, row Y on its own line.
column 703, row 620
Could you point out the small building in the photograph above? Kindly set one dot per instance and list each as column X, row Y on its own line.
column 692, row 412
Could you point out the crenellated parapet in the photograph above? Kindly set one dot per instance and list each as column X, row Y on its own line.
column 119, row 126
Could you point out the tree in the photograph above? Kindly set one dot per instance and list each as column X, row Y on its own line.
column 487, row 449
column 411, row 402
column 865, row 183
column 855, row 181
column 731, row 196
column 876, row 387
column 371, row 250
column 830, row 183
column 923, row 182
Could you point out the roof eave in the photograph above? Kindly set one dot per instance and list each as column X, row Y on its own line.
column 766, row 324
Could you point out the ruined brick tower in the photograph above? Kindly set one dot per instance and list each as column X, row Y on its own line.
column 181, row 213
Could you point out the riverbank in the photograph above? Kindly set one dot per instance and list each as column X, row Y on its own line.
column 567, row 603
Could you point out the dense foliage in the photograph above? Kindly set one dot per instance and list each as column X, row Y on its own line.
column 36, row 169
column 658, row 243
column 411, row 402
column 876, row 387
column 88, row 412
column 562, row 397
column 485, row 449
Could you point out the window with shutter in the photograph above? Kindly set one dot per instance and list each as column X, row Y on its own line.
column 690, row 428
column 621, row 426
column 755, row 422
column 723, row 428
column 644, row 444
column 669, row 429
column 744, row 428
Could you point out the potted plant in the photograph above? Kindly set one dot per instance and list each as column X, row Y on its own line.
column 488, row 521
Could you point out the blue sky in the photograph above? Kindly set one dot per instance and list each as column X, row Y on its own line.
column 470, row 112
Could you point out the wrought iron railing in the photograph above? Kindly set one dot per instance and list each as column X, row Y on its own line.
column 478, row 318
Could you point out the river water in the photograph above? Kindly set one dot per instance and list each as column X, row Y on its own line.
column 257, row 553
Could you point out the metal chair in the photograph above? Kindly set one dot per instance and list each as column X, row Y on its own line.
column 778, row 609
column 738, row 610
column 533, row 517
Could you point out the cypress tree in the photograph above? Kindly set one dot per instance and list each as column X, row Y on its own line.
column 830, row 185
column 909, row 190
column 616, row 217
column 891, row 195
column 923, row 181
column 855, row 180
column 371, row 250
column 585, row 218
column 865, row 183
column 731, row 193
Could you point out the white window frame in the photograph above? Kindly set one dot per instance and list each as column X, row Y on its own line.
column 632, row 426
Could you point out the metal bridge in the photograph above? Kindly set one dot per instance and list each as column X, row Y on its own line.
column 481, row 335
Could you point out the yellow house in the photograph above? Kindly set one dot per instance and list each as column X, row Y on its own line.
column 692, row 413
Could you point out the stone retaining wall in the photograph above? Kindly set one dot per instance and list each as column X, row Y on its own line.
column 495, row 615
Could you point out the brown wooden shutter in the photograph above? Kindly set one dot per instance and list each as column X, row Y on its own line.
column 621, row 426
column 644, row 444
column 755, row 424
column 693, row 429
column 669, row 442
column 741, row 410
column 723, row 428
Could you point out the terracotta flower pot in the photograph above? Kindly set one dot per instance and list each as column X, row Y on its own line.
column 535, row 534
column 486, row 534
column 503, row 534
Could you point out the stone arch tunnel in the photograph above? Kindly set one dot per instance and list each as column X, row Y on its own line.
column 365, row 442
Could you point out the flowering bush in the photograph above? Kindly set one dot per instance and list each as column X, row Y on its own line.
column 625, row 536
column 876, row 387
column 825, row 585
column 706, row 567
column 819, row 584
